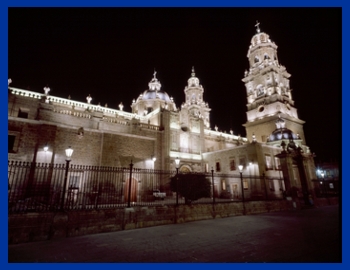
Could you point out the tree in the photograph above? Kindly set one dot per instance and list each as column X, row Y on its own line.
column 191, row 186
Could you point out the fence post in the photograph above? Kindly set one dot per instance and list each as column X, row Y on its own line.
column 241, row 173
column 212, row 180
column 65, row 184
column 129, row 192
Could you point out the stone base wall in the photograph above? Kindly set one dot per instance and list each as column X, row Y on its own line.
column 319, row 202
column 29, row 227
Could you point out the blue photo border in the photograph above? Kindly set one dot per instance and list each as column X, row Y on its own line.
column 218, row 3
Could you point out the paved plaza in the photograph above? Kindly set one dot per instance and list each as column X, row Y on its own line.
column 309, row 235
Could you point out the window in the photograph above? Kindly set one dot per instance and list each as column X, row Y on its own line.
column 281, row 185
column 23, row 113
column 235, row 190
column 277, row 164
column 218, row 169
column 232, row 165
column 206, row 167
column 261, row 108
column 242, row 162
column 245, row 184
column 268, row 162
column 223, row 184
column 11, row 143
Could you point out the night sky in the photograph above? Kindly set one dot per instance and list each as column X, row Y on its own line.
column 111, row 53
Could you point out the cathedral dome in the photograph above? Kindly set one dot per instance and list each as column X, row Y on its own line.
column 154, row 91
column 152, row 94
column 282, row 134
column 260, row 38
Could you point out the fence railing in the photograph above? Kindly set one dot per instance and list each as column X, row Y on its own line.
column 40, row 187
column 326, row 187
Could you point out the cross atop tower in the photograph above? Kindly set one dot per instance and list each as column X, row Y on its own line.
column 193, row 74
column 257, row 27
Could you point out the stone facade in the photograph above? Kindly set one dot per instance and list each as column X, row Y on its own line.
column 157, row 128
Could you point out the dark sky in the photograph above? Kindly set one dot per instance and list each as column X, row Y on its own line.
column 111, row 53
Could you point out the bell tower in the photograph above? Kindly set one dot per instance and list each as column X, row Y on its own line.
column 194, row 106
column 269, row 95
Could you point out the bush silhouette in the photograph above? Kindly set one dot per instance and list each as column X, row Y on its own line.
column 191, row 186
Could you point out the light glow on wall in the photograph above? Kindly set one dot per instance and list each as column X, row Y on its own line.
column 185, row 156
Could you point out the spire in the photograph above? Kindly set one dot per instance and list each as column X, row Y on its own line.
column 193, row 81
column 257, row 27
column 154, row 84
column 193, row 74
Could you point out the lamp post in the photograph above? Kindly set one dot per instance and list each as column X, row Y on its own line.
column 69, row 153
column 153, row 161
column 240, row 167
column 130, row 177
column 323, row 183
column 325, row 187
column 212, row 180
column 177, row 163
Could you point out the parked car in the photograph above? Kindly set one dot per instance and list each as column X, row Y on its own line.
column 159, row 195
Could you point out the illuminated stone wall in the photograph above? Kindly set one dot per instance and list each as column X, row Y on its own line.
column 96, row 140
column 33, row 227
column 91, row 148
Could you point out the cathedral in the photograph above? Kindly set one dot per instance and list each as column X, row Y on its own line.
column 157, row 131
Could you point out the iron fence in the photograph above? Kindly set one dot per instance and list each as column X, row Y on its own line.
column 40, row 187
column 327, row 187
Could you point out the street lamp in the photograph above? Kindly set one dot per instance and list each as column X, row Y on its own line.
column 318, row 172
column 153, row 158
column 46, row 147
column 325, row 187
column 240, row 167
column 212, row 180
column 177, row 163
column 69, row 153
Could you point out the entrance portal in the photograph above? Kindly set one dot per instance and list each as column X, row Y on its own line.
column 133, row 193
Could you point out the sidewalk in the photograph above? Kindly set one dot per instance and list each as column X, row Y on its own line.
column 310, row 235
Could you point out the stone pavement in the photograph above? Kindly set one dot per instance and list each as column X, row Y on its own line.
column 310, row 235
